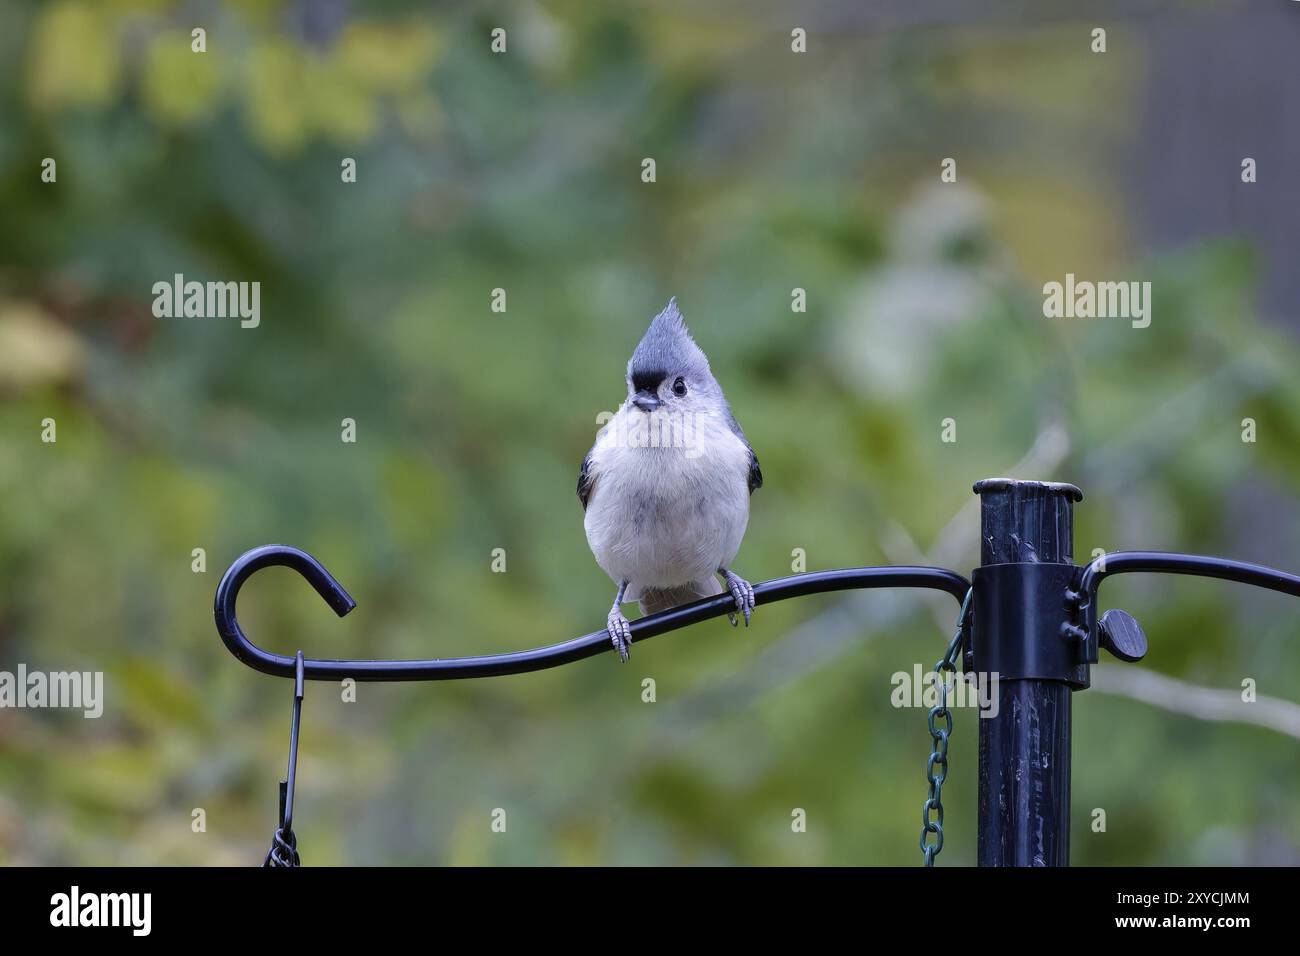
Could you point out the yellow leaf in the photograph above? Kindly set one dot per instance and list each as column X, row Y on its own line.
column 179, row 86
column 74, row 59
column 35, row 350
column 276, row 97
column 388, row 58
column 341, row 108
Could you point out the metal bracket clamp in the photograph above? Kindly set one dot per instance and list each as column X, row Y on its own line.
column 1021, row 632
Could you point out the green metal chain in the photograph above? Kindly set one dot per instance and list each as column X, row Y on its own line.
column 936, row 770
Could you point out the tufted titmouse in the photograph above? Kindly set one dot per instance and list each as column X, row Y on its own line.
column 666, row 486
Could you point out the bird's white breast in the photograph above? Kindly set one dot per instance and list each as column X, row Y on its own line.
column 670, row 500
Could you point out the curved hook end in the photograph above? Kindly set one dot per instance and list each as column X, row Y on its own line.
column 337, row 598
column 241, row 570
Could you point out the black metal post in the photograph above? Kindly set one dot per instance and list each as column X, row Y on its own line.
column 1026, row 566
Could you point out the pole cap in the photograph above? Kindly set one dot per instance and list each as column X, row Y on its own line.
column 994, row 485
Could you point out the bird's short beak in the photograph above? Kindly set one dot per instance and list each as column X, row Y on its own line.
column 646, row 400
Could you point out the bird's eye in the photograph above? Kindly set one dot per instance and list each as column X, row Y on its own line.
column 679, row 387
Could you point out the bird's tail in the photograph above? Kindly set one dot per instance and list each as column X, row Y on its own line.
column 654, row 600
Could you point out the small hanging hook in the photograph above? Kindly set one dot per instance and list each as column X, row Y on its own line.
column 284, row 846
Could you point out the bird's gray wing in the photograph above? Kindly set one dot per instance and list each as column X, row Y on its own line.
column 586, row 481
column 755, row 472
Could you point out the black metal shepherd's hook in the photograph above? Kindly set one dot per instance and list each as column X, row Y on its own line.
column 1033, row 623
column 538, row 658
column 284, row 849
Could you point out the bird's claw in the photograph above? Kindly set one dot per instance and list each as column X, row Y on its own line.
column 620, row 633
column 743, row 594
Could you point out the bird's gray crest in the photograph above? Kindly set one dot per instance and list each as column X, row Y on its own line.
column 667, row 347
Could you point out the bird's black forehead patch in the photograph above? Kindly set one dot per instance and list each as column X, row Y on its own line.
column 647, row 379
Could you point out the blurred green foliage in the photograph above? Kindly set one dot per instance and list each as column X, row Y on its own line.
column 521, row 171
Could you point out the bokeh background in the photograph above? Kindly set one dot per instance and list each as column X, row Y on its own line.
column 522, row 171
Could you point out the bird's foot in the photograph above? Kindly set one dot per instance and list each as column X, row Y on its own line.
column 742, row 592
column 620, row 633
